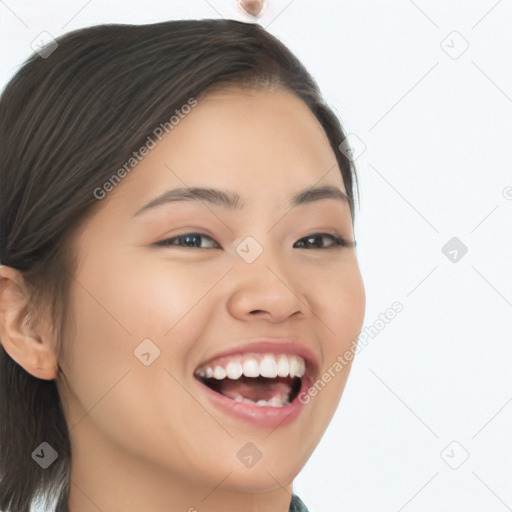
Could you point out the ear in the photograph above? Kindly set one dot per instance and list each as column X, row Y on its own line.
column 31, row 347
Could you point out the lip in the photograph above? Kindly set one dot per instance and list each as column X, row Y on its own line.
column 261, row 415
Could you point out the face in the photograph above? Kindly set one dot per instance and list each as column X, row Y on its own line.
column 172, row 300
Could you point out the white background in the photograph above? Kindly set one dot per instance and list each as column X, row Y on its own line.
column 436, row 134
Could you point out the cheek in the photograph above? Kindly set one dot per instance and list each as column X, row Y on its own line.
column 110, row 386
column 161, row 298
column 99, row 352
column 341, row 308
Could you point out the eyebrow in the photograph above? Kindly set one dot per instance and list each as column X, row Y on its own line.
column 232, row 200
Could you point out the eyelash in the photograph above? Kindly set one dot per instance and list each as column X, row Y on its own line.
column 338, row 242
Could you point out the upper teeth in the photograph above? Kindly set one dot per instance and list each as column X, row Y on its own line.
column 254, row 365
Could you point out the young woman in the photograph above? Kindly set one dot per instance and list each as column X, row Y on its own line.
column 180, row 292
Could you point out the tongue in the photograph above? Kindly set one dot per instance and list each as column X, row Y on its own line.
column 256, row 389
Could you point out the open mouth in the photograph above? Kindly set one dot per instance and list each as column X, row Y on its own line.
column 260, row 379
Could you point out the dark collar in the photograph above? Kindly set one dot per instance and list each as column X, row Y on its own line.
column 296, row 505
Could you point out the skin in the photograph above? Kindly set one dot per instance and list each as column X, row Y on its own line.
column 146, row 437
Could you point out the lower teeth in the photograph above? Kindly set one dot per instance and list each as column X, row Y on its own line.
column 273, row 402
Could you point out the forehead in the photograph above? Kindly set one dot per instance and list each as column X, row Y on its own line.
column 258, row 121
column 260, row 144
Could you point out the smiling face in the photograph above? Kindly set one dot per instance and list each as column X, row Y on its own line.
column 150, row 317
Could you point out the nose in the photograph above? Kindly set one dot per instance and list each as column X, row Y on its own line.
column 262, row 290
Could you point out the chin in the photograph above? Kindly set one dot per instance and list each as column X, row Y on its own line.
column 260, row 480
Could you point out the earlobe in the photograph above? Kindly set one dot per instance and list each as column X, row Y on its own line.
column 31, row 349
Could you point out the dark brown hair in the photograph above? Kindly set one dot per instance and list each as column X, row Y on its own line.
column 68, row 121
